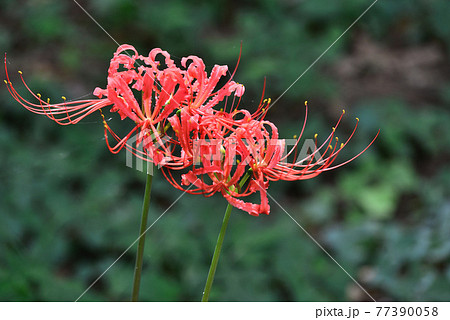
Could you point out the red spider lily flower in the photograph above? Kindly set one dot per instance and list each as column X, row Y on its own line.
column 165, row 89
column 250, row 156
column 220, row 149
column 173, row 90
column 225, row 164
column 220, row 170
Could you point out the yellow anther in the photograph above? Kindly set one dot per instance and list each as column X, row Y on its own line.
column 330, row 147
column 103, row 117
column 238, row 161
column 342, row 145
column 315, row 136
column 20, row 72
column 48, row 100
column 334, row 129
column 6, row 82
column 295, row 136
column 265, row 100
column 269, row 100
column 263, row 109
column 343, row 111
column 337, row 139
column 221, row 109
column 357, row 119
column 39, row 95
column 64, row 98
column 306, row 103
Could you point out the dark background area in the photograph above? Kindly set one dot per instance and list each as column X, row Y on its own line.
column 68, row 208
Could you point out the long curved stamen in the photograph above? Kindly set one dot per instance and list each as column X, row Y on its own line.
column 74, row 111
column 300, row 135
column 356, row 156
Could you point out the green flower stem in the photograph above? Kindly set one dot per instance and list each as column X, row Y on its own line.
column 215, row 259
column 140, row 251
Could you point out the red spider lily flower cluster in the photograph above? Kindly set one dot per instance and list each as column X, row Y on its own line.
column 178, row 126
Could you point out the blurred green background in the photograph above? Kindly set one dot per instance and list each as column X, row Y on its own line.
column 68, row 208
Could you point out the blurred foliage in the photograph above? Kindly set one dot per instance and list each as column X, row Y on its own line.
column 68, row 208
